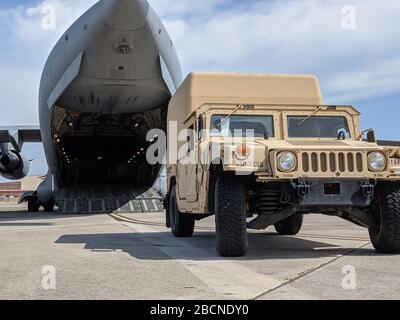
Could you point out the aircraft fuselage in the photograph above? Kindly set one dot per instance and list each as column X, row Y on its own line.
column 106, row 83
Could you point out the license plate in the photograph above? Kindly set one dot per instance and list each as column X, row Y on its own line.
column 332, row 188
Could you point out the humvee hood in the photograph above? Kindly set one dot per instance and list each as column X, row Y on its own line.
column 335, row 144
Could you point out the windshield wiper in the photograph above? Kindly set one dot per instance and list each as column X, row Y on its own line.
column 308, row 117
column 219, row 125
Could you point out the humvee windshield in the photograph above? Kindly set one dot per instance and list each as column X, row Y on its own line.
column 317, row 127
column 242, row 125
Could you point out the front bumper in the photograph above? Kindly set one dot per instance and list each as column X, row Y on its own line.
column 334, row 193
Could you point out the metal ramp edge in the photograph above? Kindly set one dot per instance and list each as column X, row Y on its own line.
column 79, row 202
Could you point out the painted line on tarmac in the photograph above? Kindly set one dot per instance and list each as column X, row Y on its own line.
column 224, row 277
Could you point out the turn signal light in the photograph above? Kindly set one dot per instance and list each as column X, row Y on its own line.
column 242, row 152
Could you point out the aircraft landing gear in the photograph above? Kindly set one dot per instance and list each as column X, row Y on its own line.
column 33, row 204
column 49, row 207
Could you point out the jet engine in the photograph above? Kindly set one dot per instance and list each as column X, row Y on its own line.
column 13, row 165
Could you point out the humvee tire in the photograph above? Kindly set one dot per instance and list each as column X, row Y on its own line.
column 386, row 237
column 182, row 225
column 230, row 216
column 49, row 207
column 33, row 205
column 290, row 226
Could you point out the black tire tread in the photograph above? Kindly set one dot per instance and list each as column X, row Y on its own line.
column 290, row 226
column 33, row 206
column 387, row 238
column 230, row 209
column 48, row 208
column 184, row 223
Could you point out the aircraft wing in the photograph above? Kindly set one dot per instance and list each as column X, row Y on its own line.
column 17, row 136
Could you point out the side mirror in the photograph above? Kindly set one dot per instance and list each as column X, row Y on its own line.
column 371, row 136
column 342, row 135
column 200, row 128
column 188, row 144
column 191, row 144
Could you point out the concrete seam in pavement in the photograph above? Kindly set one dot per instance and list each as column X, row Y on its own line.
column 46, row 228
column 309, row 271
column 274, row 286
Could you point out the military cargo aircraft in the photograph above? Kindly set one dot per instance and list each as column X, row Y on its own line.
column 107, row 81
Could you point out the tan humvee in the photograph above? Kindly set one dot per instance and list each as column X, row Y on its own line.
column 296, row 157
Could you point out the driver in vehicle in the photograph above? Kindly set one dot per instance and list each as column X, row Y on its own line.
column 317, row 129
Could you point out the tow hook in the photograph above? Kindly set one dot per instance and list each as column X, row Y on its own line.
column 303, row 188
column 367, row 189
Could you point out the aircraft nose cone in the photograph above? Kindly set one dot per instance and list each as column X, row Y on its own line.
column 126, row 14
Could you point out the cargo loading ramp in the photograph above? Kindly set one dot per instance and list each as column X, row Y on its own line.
column 108, row 199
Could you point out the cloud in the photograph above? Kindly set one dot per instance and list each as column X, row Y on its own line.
column 190, row 9
column 290, row 36
column 24, row 47
column 30, row 23
column 297, row 36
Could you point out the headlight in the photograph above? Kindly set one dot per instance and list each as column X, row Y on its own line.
column 376, row 161
column 242, row 152
column 287, row 161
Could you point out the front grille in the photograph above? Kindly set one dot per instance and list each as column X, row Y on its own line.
column 344, row 162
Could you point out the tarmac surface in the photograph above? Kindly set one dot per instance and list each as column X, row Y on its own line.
column 52, row 256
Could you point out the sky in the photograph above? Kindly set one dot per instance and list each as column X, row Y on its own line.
column 352, row 46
